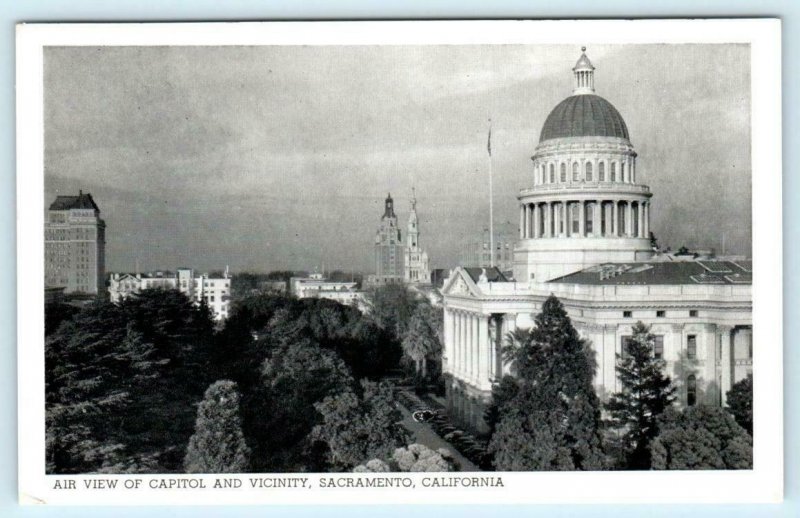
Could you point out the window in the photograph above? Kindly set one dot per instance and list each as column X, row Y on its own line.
column 691, row 347
column 627, row 314
column 552, row 174
column 588, row 171
column 691, row 390
column 626, row 340
column 576, row 172
column 693, row 313
column 658, row 347
column 563, row 172
column 601, row 172
column 661, row 313
column 613, row 171
column 622, row 172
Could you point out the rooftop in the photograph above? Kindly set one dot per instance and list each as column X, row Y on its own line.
column 492, row 274
column 81, row 201
column 688, row 272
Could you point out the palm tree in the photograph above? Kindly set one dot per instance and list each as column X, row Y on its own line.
column 515, row 346
column 421, row 339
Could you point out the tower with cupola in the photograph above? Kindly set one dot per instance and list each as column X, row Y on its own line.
column 585, row 206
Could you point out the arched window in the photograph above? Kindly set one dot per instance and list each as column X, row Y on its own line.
column 589, row 171
column 613, row 172
column 622, row 172
column 563, row 172
column 691, row 390
column 576, row 172
column 552, row 173
column 601, row 171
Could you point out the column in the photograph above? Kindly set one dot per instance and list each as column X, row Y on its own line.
column 581, row 218
column 641, row 220
column 462, row 346
column 628, row 219
column 615, row 218
column 556, row 218
column 567, row 219
column 476, row 356
column 448, row 334
column 483, row 349
column 726, row 342
column 710, row 374
column 522, row 222
column 647, row 219
column 597, row 219
column 536, row 223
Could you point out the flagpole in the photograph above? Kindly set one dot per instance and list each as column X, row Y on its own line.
column 491, row 200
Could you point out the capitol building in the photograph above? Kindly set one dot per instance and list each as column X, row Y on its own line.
column 584, row 236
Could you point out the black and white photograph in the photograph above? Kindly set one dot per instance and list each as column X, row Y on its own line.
column 403, row 265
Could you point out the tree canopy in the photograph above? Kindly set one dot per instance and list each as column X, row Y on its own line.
column 740, row 402
column 553, row 420
column 646, row 392
column 701, row 437
column 218, row 444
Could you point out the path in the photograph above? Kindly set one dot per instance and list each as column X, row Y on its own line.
column 423, row 434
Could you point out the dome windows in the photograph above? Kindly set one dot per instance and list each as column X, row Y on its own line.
column 576, row 172
column 552, row 173
column 622, row 173
column 563, row 172
column 613, row 172
column 589, row 172
column 601, row 172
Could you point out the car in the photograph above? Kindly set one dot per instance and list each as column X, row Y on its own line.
column 422, row 416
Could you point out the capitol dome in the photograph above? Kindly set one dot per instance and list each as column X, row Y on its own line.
column 584, row 115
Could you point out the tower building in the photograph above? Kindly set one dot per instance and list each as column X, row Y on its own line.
column 585, row 206
column 75, row 245
column 417, row 268
column 389, row 252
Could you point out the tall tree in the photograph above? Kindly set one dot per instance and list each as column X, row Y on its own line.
column 646, row 392
column 740, row 402
column 218, row 445
column 355, row 428
column 553, row 422
column 421, row 339
column 701, row 437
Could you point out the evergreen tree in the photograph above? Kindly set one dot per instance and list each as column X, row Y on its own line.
column 740, row 402
column 701, row 437
column 502, row 393
column 218, row 445
column 553, row 422
column 646, row 393
column 354, row 429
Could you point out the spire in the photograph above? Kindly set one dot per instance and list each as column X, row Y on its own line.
column 584, row 75
column 413, row 198
column 388, row 211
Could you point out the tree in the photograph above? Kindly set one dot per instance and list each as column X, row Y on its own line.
column 355, row 428
column 740, row 402
column 553, row 422
column 421, row 339
column 218, row 445
column 415, row 458
column 502, row 394
column 391, row 307
column 701, row 437
column 646, row 393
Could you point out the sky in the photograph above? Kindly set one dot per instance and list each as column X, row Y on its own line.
column 280, row 157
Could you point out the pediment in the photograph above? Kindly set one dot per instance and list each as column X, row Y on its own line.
column 460, row 284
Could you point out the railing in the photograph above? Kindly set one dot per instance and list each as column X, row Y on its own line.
column 585, row 186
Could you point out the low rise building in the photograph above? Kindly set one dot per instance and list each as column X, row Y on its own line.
column 214, row 291
column 316, row 286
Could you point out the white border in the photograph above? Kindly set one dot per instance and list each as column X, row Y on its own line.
column 763, row 484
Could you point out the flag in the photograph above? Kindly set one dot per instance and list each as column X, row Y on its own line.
column 489, row 143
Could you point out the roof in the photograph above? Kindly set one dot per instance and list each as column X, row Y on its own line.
column 81, row 201
column 584, row 116
column 492, row 274
column 583, row 62
column 685, row 272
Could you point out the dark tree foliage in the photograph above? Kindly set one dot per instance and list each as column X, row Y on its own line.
column 421, row 341
column 502, row 393
column 278, row 412
column 218, row 445
column 701, row 437
column 121, row 382
column 355, row 428
column 392, row 308
column 553, row 422
column 740, row 403
column 646, row 393
column 55, row 313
